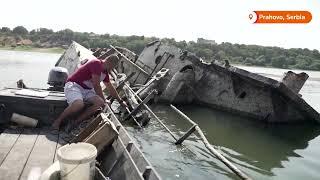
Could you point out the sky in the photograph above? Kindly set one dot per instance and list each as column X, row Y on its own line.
column 219, row 20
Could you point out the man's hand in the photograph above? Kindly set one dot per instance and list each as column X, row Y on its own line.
column 115, row 94
column 95, row 79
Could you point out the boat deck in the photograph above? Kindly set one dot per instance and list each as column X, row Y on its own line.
column 27, row 152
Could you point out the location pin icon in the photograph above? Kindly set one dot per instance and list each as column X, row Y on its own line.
column 250, row 16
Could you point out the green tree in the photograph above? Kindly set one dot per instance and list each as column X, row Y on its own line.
column 66, row 35
column 5, row 30
column 260, row 61
column 45, row 31
column 315, row 66
column 20, row 30
column 207, row 49
column 205, row 53
column 279, row 62
column 220, row 55
column 33, row 32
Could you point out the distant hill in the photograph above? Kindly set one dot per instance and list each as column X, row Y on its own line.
column 295, row 58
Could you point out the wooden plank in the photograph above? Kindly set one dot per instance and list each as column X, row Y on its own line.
column 99, row 175
column 138, row 159
column 118, row 164
column 103, row 136
column 110, row 156
column 142, row 163
column 125, row 168
column 16, row 160
column 152, row 176
column 7, row 140
column 88, row 130
column 124, row 136
column 42, row 155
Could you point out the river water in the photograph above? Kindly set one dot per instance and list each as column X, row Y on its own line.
column 262, row 151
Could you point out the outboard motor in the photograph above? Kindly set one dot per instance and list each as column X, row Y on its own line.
column 57, row 78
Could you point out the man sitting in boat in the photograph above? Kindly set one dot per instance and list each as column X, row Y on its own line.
column 84, row 85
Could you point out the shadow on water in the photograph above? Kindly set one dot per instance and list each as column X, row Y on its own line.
column 256, row 148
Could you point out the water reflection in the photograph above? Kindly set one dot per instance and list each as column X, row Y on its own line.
column 260, row 145
column 32, row 67
column 255, row 148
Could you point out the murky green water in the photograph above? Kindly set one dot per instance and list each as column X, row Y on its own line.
column 260, row 150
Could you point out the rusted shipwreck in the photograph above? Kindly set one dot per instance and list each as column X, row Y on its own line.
column 223, row 87
column 161, row 72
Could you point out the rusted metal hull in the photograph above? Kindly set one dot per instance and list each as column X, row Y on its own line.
column 231, row 89
column 190, row 80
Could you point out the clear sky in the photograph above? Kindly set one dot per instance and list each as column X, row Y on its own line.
column 220, row 20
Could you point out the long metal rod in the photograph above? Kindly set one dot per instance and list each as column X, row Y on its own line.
column 123, row 83
column 154, row 115
column 151, row 112
column 97, row 52
column 211, row 149
column 128, row 60
column 182, row 114
column 168, row 56
column 145, row 86
column 134, row 119
column 186, row 135
column 104, row 55
column 146, row 100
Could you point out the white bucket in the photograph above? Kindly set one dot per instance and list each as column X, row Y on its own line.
column 77, row 161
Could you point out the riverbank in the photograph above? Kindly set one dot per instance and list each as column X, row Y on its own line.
column 56, row 50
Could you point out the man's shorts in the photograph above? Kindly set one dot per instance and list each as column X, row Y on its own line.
column 74, row 91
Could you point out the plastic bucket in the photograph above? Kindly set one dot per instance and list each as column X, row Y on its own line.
column 77, row 161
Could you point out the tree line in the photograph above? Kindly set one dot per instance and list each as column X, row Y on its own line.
column 209, row 50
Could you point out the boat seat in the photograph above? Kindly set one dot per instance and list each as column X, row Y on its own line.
column 32, row 93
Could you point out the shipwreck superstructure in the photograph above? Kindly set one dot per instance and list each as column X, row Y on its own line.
column 224, row 87
column 191, row 80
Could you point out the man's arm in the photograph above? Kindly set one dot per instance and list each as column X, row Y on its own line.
column 113, row 92
column 96, row 85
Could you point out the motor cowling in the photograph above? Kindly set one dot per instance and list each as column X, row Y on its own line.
column 57, row 78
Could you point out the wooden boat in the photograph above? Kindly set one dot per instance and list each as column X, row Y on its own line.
column 24, row 152
column 40, row 104
column 30, row 153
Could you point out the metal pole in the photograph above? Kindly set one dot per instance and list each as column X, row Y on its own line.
column 182, row 114
column 128, row 60
column 123, row 83
column 186, row 135
column 134, row 119
column 211, row 149
column 154, row 115
column 146, row 100
column 163, row 125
